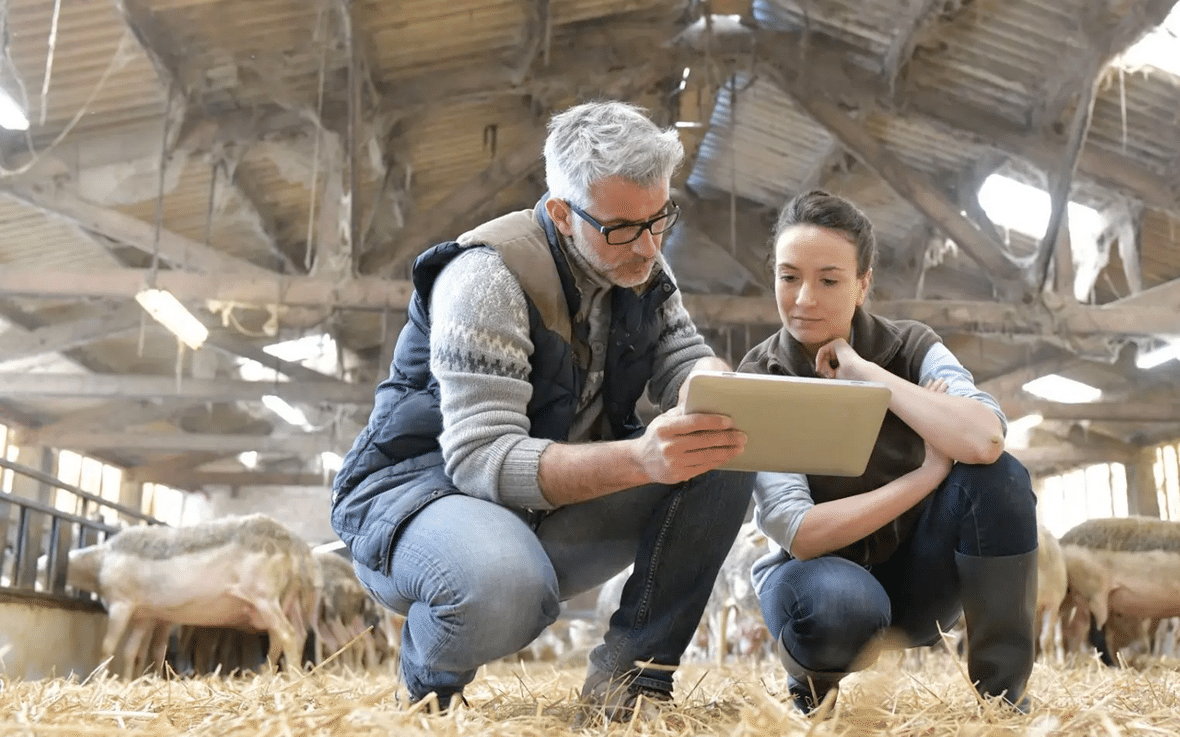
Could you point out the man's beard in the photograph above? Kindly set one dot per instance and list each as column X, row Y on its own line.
column 594, row 259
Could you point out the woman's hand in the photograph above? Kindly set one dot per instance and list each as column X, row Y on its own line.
column 838, row 360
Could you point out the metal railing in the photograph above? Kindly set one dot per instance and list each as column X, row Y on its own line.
column 37, row 536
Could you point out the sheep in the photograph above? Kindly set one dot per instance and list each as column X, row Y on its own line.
column 1121, row 572
column 1052, row 584
column 242, row 572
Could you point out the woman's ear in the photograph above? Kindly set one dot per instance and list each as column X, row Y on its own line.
column 559, row 213
column 863, row 283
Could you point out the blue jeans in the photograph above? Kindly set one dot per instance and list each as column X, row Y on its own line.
column 825, row 611
column 477, row 582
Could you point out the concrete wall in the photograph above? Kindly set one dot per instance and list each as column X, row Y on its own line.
column 41, row 639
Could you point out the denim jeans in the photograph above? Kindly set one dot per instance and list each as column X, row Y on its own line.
column 826, row 610
column 477, row 582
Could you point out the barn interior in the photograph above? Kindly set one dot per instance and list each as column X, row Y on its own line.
column 276, row 166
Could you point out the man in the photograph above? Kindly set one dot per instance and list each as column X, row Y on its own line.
column 504, row 467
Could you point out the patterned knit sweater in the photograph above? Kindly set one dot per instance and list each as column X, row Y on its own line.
column 480, row 358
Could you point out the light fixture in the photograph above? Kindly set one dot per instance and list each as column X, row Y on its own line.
column 1152, row 358
column 328, row 547
column 1057, row 388
column 169, row 312
column 330, row 462
column 291, row 414
column 1020, row 428
column 11, row 116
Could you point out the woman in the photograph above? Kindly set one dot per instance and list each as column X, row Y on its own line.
column 943, row 521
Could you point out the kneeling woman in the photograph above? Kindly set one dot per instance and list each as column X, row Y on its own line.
column 942, row 522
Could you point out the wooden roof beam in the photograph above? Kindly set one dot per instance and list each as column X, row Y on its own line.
column 129, row 386
column 17, row 343
column 173, row 248
column 1007, row 275
column 1151, row 312
column 302, row 444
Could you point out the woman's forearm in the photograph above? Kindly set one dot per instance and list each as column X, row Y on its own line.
column 964, row 429
column 829, row 526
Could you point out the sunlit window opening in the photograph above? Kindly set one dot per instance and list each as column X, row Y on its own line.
column 12, row 116
column 1057, row 388
column 9, row 452
column 1160, row 48
column 1068, row 499
column 164, row 503
column 90, row 475
column 1025, row 209
column 316, row 352
column 1166, row 471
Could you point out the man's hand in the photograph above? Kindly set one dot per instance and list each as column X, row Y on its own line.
column 678, row 446
column 838, row 360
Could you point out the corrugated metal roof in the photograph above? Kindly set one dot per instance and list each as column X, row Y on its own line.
column 865, row 25
column 924, row 146
column 1150, row 102
column 90, row 37
column 29, row 237
column 761, row 148
column 996, row 54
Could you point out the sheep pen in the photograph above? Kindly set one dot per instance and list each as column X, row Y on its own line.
column 906, row 695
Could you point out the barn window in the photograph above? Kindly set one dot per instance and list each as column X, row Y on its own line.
column 164, row 503
column 1166, row 471
column 9, row 452
column 1070, row 498
column 92, row 475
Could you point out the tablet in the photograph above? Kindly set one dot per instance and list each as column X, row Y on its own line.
column 795, row 425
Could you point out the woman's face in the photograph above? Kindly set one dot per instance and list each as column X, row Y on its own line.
column 816, row 285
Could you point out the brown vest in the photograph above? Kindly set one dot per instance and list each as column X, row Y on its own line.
column 899, row 347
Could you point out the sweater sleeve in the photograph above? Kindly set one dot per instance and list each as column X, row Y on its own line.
column 680, row 346
column 940, row 363
column 479, row 353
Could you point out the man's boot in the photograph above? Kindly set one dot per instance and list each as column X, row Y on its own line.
column 808, row 687
column 999, row 598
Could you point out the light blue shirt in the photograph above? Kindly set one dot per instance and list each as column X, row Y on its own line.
column 782, row 499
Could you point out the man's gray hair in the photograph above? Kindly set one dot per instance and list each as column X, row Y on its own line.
column 596, row 140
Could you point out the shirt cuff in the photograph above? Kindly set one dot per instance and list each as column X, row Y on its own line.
column 520, row 485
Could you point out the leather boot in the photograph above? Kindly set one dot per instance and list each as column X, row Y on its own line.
column 999, row 598
column 808, row 687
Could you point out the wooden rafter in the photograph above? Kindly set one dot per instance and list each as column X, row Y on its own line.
column 911, row 186
column 438, row 222
column 129, row 386
column 302, row 444
column 173, row 248
column 1151, row 312
column 17, row 343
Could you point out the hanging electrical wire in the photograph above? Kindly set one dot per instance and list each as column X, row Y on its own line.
column 49, row 59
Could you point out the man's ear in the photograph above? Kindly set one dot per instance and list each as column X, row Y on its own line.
column 561, row 214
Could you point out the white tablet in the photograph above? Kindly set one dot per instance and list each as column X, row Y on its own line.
column 795, row 425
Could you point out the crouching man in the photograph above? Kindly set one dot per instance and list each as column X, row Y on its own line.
column 504, row 467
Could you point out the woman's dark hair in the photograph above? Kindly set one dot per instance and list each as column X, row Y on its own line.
column 825, row 210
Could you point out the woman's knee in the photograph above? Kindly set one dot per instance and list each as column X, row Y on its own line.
column 825, row 616
column 1001, row 502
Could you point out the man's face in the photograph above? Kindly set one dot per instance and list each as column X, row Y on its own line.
column 616, row 201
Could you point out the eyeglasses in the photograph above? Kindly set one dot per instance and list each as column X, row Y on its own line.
column 621, row 235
